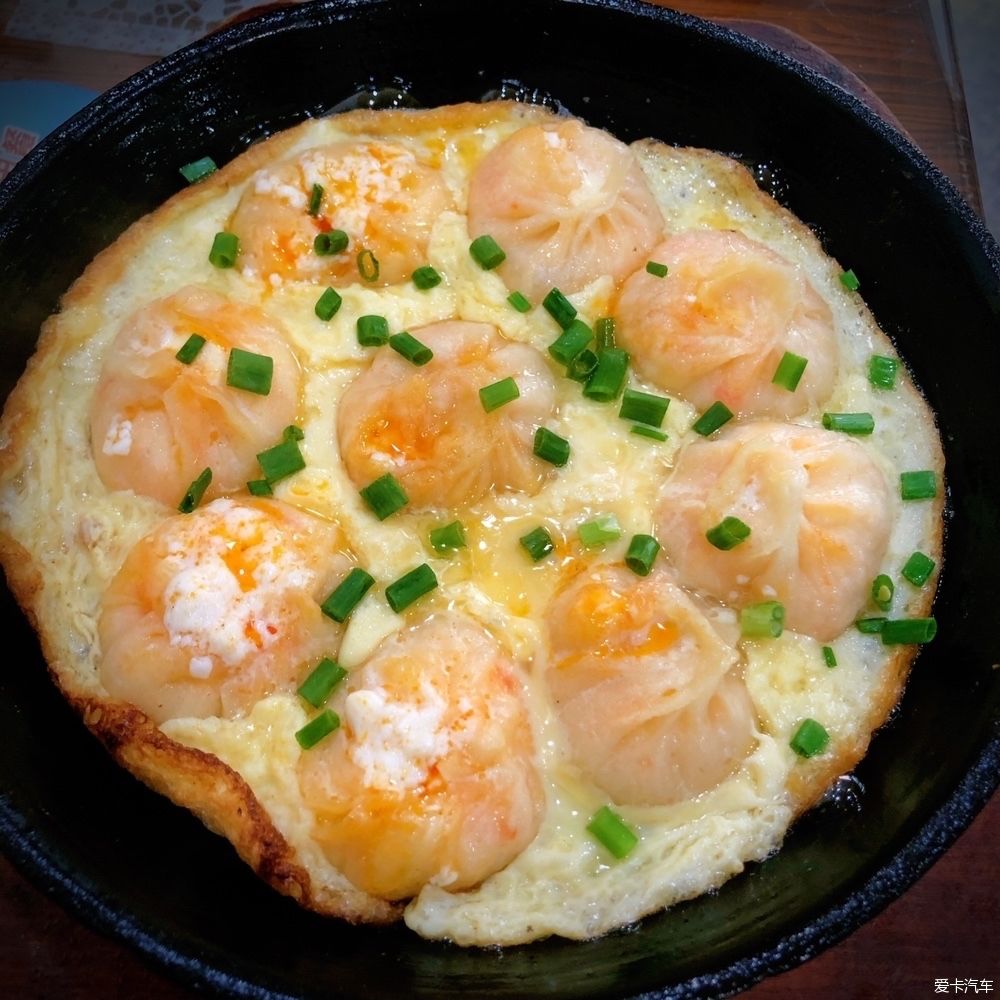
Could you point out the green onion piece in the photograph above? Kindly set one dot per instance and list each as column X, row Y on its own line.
column 603, row 529
column 198, row 170
column 327, row 244
column 498, row 394
column 315, row 199
column 328, row 304
column 249, row 371
column 882, row 591
column 728, row 533
column 190, row 349
column 559, row 307
column 225, row 248
column 611, row 830
column 712, row 419
column 449, row 537
column 404, row 591
column 870, row 626
column 809, row 739
column 346, row 596
column 882, row 371
column 908, row 630
column 829, row 657
column 643, row 407
column 292, row 433
column 519, row 302
column 789, row 371
column 486, row 252
column 920, row 485
column 537, row 543
column 642, row 430
column 192, row 497
column 607, row 379
column 368, row 266
column 317, row 729
column 319, row 685
column 425, row 277
column 605, row 331
column 849, row 423
column 385, row 496
column 641, row 554
column 571, row 341
column 850, row 280
column 762, row 621
column 373, row 331
column 656, row 269
column 918, row 569
column 260, row 488
column 550, row 447
column 282, row 460
column 411, row 348
column 582, row 366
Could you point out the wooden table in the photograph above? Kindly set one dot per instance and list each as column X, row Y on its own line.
column 899, row 57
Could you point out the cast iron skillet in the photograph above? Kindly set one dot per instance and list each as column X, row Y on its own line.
column 130, row 863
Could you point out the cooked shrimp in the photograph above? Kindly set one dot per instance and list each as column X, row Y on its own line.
column 432, row 778
column 378, row 193
column 156, row 423
column 646, row 687
column 216, row 609
column 567, row 203
column 717, row 326
column 819, row 512
column 427, row 426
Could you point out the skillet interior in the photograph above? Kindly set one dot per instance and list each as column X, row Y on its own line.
column 128, row 861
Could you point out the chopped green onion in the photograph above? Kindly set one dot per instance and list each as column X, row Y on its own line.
column 809, row 739
column 450, row 536
column 607, row 379
column 198, row 170
column 410, row 586
column 194, row 493
column 829, row 657
column 368, row 266
column 642, row 430
column 373, row 331
column 850, row 280
column 317, row 729
column 412, row 349
column 607, row 827
column 849, row 423
column 571, row 341
column 728, row 533
column 260, row 488
column 315, row 199
column 882, row 371
column 920, row 485
column 918, row 569
column 519, row 302
column 656, row 269
column 319, row 685
column 559, row 307
column 603, row 529
column 327, row 244
column 908, row 630
column 249, row 371
column 283, row 459
column 641, row 554
column 425, row 277
column 582, row 366
column 190, row 349
column 550, row 447
column 328, row 304
column 498, row 394
column 385, row 496
column 225, row 249
column 486, row 252
column 789, row 371
column 870, row 626
column 605, row 331
column 537, row 543
column 763, row 620
column 882, row 591
column 643, row 407
column 712, row 419
column 292, row 433
column 346, row 596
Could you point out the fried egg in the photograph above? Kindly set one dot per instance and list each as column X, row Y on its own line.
column 483, row 544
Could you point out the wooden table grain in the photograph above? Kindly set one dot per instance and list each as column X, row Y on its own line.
column 897, row 55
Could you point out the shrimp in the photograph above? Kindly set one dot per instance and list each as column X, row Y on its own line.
column 433, row 777
column 216, row 609
column 156, row 423
column 717, row 326
column 819, row 512
column 378, row 193
column 567, row 203
column 427, row 426
column 646, row 687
